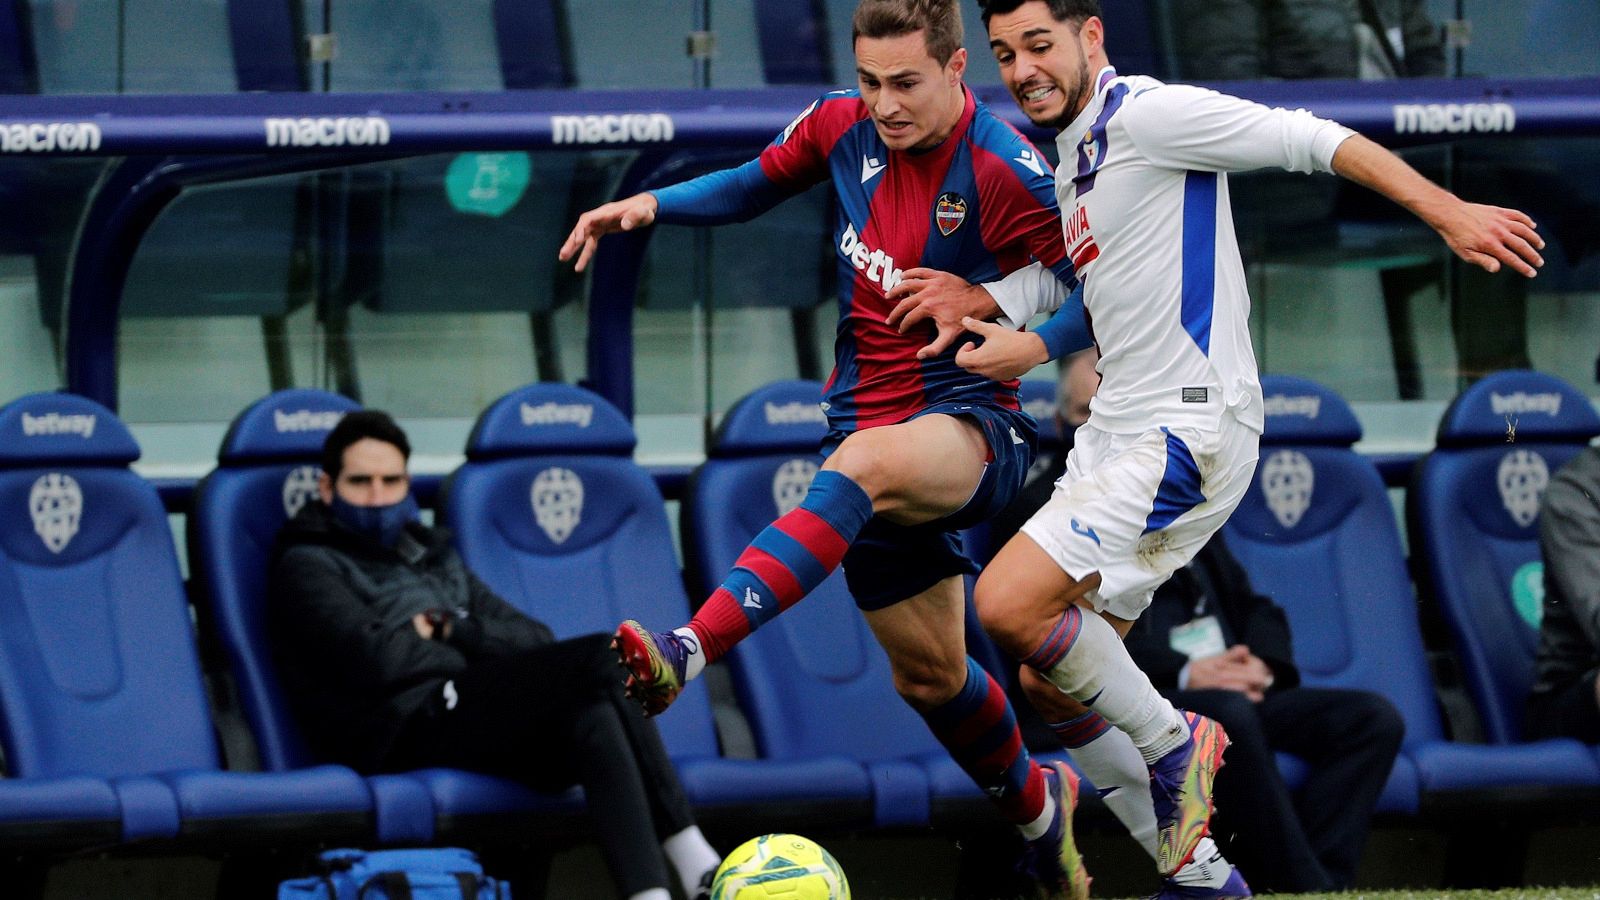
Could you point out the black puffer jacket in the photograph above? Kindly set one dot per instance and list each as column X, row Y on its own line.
column 340, row 611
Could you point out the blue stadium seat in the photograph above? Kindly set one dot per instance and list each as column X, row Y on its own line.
column 552, row 512
column 266, row 470
column 1318, row 535
column 801, row 702
column 1473, row 516
column 98, row 670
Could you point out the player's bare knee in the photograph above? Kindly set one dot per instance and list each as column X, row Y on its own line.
column 1003, row 615
column 865, row 463
column 926, row 685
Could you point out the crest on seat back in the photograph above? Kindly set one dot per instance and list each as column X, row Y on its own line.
column 299, row 486
column 557, row 497
column 1522, row 478
column 790, row 483
column 1287, row 480
column 56, row 505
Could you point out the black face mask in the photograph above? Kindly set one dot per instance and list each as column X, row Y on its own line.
column 382, row 524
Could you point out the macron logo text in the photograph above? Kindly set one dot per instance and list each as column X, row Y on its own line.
column 579, row 414
column 56, row 423
column 638, row 128
column 49, row 137
column 324, row 131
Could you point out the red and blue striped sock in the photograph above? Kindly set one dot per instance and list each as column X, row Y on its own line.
column 1081, row 730
column 786, row 561
column 980, row 730
column 1058, row 643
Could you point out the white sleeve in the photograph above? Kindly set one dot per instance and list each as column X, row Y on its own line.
column 1025, row 293
column 1185, row 127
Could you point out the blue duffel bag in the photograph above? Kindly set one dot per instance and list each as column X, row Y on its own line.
column 442, row 873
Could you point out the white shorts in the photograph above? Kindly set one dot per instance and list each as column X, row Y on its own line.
column 1138, row 507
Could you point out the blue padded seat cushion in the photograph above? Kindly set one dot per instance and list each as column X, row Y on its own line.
column 72, row 810
column 716, row 781
column 782, row 417
column 210, row 801
column 550, row 418
column 1301, row 411
column 459, row 795
column 1444, row 765
column 285, row 425
column 1541, row 407
column 61, row 429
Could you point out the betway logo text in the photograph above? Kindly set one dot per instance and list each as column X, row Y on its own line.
column 579, row 414
column 56, row 423
column 793, row 413
column 305, row 420
column 1454, row 118
column 1307, row 405
column 875, row 264
column 344, row 131
column 1042, row 410
column 48, row 137
column 1520, row 402
column 651, row 128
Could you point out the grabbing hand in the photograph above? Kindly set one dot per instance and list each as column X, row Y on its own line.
column 924, row 294
column 1005, row 353
column 619, row 215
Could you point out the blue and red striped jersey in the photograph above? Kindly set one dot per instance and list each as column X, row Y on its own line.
column 980, row 205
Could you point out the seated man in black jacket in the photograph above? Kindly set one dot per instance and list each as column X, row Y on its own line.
column 397, row 657
column 1211, row 644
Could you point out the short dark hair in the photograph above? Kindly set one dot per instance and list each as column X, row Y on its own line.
column 358, row 425
column 1075, row 11
column 939, row 20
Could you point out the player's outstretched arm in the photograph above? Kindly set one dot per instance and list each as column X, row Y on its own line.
column 619, row 215
column 1486, row 236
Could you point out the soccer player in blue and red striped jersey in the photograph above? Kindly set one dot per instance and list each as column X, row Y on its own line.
column 926, row 177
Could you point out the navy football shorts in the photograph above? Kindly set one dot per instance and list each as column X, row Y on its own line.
column 889, row 563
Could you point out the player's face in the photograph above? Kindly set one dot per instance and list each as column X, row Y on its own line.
column 374, row 474
column 1044, row 62
column 915, row 102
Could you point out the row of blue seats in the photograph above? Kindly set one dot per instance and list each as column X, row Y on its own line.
column 107, row 731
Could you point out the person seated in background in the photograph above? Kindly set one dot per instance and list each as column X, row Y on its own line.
column 1211, row 644
column 397, row 657
column 1566, row 696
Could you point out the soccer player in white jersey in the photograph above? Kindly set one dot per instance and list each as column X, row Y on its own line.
column 1171, row 441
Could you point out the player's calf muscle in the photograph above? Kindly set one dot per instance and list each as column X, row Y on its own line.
column 1018, row 611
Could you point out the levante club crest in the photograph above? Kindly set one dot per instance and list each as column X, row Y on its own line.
column 949, row 212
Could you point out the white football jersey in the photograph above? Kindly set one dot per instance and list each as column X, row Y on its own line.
column 1143, row 192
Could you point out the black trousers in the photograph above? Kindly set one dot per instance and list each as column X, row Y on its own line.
column 1310, row 841
column 551, row 718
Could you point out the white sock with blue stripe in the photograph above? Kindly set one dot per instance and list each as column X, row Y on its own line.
column 1091, row 665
